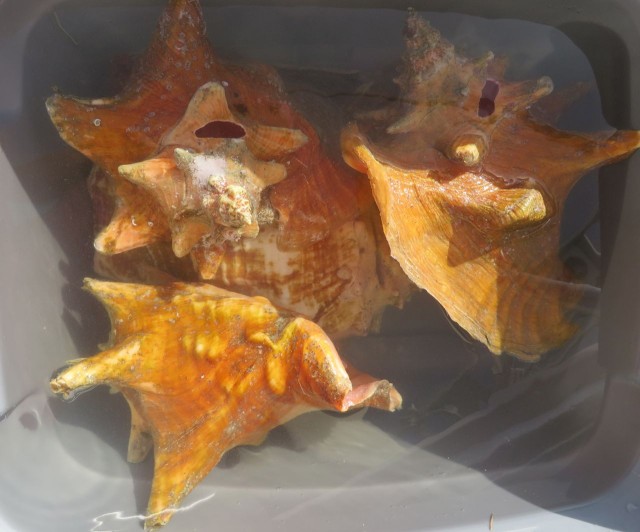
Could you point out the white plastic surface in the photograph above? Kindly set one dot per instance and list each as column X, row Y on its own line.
column 346, row 475
column 62, row 466
column 34, row 340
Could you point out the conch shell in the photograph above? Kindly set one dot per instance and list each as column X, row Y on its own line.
column 471, row 189
column 205, row 370
column 129, row 127
column 149, row 115
column 341, row 279
column 210, row 188
column 213, row 160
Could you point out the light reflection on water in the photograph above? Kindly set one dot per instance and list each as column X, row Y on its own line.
column 344, row 47
column 112, row 521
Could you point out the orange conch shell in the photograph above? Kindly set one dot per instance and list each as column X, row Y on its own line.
column 342, row 282
column 128, row 127
column 320, row 193
column 210, row 188
column 205, row 370
column 212, row 159
column 471, row 189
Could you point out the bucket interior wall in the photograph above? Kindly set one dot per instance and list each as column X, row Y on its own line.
column 479, row 437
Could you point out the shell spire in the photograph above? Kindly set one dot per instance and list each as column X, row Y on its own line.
column 245, row 104
column 205, row 370
column 127, row 128
column 210, row 185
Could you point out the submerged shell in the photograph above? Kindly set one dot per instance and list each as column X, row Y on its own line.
column 342, row 282
column 210, row 187
column 471, row 189
column 215, row 162
column 127, row 128
column 205, row 370
column 319, row 194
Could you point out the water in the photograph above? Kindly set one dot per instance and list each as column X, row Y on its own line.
column 319, row 468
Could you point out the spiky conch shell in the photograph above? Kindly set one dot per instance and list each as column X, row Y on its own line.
column 319, row 193
column 320, row 252
column 471, row 197
column 205, row 370
column 341, row 280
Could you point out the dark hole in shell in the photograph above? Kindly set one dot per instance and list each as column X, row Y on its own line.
column 487, row 103
column 221, row 129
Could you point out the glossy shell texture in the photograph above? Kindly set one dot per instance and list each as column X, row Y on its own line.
column 205, row 370
column 471, row 189
column 206, row 171
column 212, row 160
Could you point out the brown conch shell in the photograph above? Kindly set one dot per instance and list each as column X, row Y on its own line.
column 471, row 189
column 210, row 188
column 213, row 160
column 205, row 370
column 320, row 193
column 127, row 128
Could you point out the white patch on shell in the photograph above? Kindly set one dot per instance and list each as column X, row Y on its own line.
column 235, row 207
column 205, row 167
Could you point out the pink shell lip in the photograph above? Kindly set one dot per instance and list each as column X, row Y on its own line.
column 370, row 392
